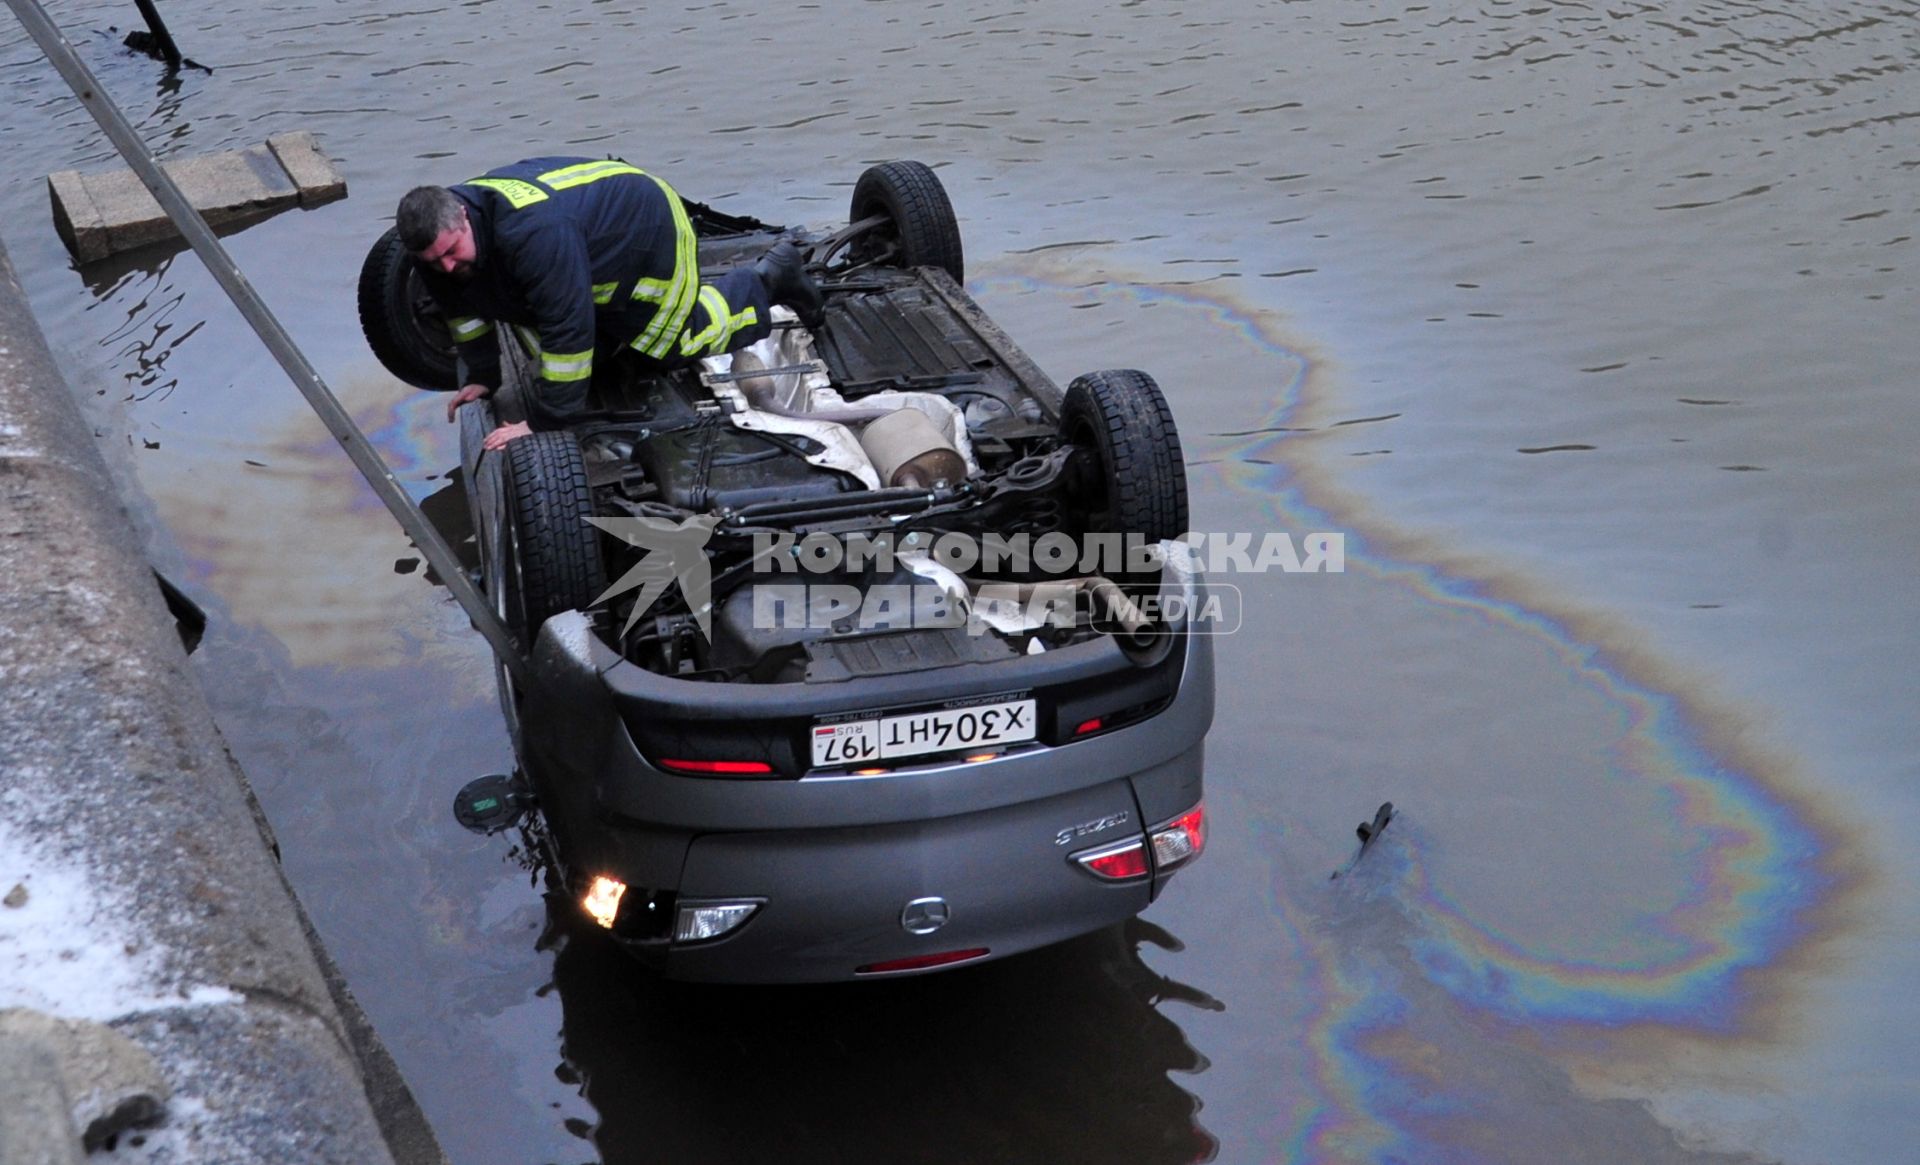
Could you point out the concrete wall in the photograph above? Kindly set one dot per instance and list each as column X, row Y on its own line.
column 120, row 806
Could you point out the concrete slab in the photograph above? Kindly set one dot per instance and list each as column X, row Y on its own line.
column 98, row 215
column 313, row 173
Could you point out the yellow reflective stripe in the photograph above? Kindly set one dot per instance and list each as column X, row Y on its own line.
column 717, row 323
column 652, row 290
column 678, row 304
column 732, row 324
column 530, row 338
column 720, row 326
column 561, row 366
column 517, row 193
column 603, row 292
column 467, row 328
column 584, row 172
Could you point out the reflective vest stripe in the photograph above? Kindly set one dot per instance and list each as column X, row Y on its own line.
column 712, row 339
column 677, row 304
column 717, row 322
column 652, row 290
column 518, row 194
column 584, row 172
column 468, row 328
column 603, row 293
column 564, row 366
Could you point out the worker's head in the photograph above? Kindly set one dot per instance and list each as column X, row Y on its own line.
column 433, row 225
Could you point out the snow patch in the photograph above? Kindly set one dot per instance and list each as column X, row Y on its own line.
column 65, row 947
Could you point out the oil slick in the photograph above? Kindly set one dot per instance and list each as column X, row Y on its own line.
column 1432, row 1024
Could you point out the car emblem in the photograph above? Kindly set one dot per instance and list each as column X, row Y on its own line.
column 925, row 915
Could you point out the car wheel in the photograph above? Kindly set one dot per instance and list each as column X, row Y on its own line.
column 1136, row 482
column 402, row 324
column 552, row 559
column 920, row 224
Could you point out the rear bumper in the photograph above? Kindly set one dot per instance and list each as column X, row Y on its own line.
column 836, row 901
column 834, row 858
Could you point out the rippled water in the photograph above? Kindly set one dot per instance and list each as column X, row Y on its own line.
column 1588, row 326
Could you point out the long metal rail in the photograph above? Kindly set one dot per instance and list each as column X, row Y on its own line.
column 364, row 456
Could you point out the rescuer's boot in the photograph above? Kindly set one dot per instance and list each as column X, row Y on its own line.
column 783, row 272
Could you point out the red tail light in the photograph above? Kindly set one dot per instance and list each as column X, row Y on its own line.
column 921, row 962
column 1116, row 863
column 720, row 768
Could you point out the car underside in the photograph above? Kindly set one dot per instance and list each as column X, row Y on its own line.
column 861, row 633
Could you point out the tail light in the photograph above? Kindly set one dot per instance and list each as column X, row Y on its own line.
column 1113, row 718
column 719, row 768
column 1165, row 848
column 922, row 962
column 1179, row 841
column 1116, row 863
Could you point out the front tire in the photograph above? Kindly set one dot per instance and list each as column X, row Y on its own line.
column 402, row 323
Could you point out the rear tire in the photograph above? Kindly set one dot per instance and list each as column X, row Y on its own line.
column 402, row 323
column 552, row 560
column 921, row 226
column 1139, row 482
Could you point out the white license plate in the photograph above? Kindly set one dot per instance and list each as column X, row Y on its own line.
column 918, row 733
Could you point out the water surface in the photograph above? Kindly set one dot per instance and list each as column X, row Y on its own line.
column 1588, row 327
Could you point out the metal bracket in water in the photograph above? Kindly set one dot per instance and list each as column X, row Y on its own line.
column 157, row 41
column 1369, row 833
column 227, row 273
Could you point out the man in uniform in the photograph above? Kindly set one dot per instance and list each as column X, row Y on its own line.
column 585, row 256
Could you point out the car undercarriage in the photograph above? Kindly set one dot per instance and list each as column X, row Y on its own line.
column 867, row 609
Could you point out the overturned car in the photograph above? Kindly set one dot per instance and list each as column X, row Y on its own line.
column 865, row 651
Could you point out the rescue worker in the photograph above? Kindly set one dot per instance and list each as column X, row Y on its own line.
column 585, row 257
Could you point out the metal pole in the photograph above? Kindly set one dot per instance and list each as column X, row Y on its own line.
column 438, row 554
column 161, row 36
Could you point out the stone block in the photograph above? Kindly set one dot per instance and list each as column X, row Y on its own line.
column 103, row 214
column 312, row 171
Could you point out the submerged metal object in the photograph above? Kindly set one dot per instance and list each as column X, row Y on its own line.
column 1369, row 832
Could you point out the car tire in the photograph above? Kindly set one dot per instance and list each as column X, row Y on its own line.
column 403, row 325
column 552, row 560
column 1137, row 483
column 921, row 225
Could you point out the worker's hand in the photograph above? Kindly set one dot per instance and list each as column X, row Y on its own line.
column 497, row 440
column 467, row 395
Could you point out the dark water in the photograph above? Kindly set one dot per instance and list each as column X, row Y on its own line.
column 1589, row 327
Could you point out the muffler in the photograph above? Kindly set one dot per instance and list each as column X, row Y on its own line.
column 908, row 449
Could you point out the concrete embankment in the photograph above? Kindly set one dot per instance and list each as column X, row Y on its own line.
column 139, row 886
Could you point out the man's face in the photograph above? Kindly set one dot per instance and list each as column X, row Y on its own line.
column 452, row 250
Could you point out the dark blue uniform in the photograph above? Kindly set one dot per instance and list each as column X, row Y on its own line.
column 586, row 255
